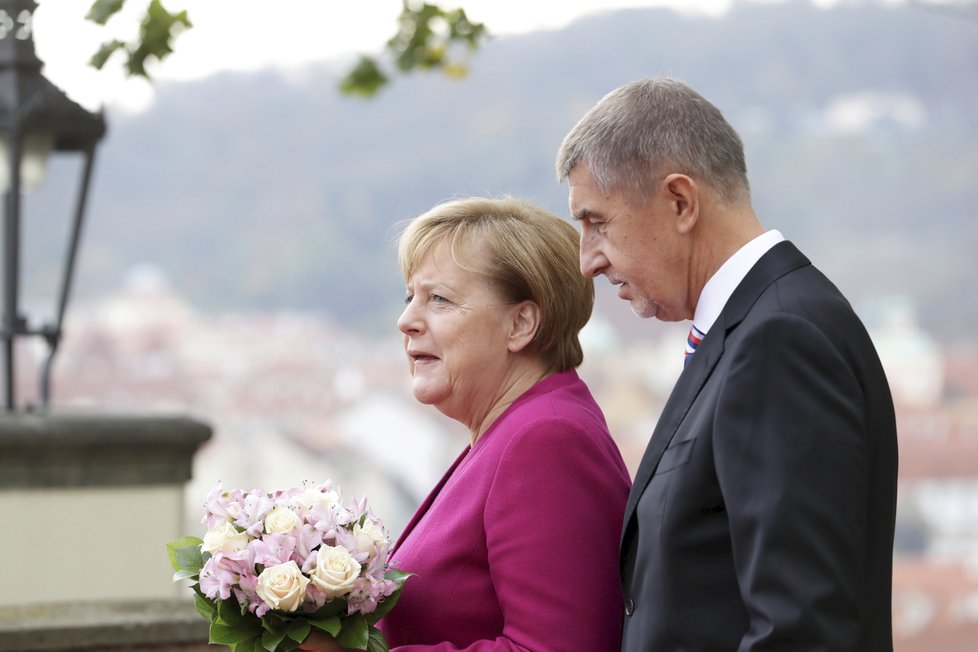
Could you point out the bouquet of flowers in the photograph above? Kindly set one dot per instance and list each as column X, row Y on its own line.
column 275, row 565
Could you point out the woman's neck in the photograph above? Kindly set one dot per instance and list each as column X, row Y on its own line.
column 524, row 376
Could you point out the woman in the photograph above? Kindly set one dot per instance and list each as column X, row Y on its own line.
column 516, row 548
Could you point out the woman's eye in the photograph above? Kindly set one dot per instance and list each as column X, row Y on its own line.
column 437, row 298
column 408, row 299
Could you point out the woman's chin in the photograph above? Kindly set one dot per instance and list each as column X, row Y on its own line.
column 427, row 395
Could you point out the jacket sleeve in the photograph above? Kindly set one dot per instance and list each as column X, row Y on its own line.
column 791, row 458
column 553, row 521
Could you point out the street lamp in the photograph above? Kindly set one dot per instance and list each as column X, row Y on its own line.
column 36, row 119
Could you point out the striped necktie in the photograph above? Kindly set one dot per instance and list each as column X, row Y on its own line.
column 692, row 341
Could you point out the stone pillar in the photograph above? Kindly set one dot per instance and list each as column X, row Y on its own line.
column 87, row 505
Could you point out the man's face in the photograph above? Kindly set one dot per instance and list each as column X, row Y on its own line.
column 637, row 247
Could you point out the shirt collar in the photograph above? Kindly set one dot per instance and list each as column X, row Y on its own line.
column 725, row 280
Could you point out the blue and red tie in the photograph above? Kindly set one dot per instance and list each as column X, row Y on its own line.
column 692, row 341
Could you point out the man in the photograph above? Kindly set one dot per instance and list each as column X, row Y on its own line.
column 762, row 514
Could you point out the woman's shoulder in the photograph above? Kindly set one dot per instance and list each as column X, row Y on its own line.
column 562, row 398
column 559, row 438
column 560, row 411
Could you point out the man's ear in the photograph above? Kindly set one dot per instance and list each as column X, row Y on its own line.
column 682, row 195
column 523, row 326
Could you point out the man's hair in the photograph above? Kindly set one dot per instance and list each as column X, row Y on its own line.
column 645, row 130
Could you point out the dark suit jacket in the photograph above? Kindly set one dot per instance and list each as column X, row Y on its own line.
column 762, row 515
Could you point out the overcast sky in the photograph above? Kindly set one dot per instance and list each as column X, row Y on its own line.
column 252, row 34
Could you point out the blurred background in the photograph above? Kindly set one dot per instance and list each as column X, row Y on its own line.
column 237, row 264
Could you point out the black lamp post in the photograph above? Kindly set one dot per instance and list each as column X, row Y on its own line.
column 35, row 118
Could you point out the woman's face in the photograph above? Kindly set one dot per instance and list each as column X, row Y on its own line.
column 456, row 334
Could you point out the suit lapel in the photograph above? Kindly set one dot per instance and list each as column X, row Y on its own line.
column 683, row 394
column 426, row 505
column 778, row 261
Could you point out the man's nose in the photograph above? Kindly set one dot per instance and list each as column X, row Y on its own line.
column 593, row 262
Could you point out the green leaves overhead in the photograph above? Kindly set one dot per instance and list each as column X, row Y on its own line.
column 102, row 10
column 427, row 33
column 365, row 79
column 428, row 37
column 157, row 30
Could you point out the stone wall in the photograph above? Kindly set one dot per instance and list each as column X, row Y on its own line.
column 88, row 503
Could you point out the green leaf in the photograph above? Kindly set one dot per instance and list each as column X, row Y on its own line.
column 427, row 37
column 185, row 554
column 192, row 558
column 288, row 645
column 157, row 31
column 222, row 634
column 185, row 575
column 250, row 645
column 232, row 625
column 385, row 605
column 356, row 633
column 230, row 613
column 398, row 576
column 273, row 622
column 388, row 603
column 102, row 10
column 332, row 608
column 377, row 642
column 330, row 625
column 364, row 79
column 299, row 630
column 205, row 608
column 270, row 640
column 104, row 52
column 421, row 42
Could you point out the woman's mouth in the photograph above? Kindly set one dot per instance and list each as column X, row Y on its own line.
column 421, row 357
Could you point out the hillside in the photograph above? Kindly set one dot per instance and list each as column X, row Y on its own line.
column 271, row 190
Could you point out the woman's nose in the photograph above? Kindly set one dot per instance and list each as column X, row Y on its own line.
column 410, row 321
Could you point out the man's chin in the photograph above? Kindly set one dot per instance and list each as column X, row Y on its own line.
column 644, row 308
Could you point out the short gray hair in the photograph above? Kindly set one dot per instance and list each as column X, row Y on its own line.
column 647, row 129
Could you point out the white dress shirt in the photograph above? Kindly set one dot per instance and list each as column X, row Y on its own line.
column 721, row 285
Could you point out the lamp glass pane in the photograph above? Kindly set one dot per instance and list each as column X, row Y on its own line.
column 37, row 148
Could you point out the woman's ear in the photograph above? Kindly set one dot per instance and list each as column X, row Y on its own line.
column 524, row 325
column 684, row 201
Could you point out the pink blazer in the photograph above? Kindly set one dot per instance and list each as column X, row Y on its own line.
column 516, row 548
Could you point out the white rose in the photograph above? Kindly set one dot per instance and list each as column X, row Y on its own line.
column 313, row 497
column 224, row 538
column 369, row 535
column 282, row 586
column 281, row 520
column 336, row 571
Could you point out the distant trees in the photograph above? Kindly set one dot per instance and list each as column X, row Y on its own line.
column 428, row 37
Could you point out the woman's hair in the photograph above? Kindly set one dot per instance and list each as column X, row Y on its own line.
column 647, row 129
column 525, row 252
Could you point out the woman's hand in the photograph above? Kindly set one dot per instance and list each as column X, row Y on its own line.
column 321, row 642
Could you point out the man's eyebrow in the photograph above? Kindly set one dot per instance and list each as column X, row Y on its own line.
column 584, row 214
